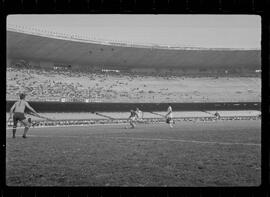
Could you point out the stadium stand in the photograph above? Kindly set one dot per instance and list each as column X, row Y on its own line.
column 60, row 70
column 47, row 84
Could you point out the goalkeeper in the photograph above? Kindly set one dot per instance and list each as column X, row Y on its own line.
column 17, row 110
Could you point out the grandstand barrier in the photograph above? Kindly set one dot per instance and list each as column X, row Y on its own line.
column 86, row 122
column 68, row 107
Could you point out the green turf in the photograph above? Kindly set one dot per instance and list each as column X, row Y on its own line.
column 223, row 153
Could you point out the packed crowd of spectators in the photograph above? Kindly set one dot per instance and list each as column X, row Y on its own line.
column 42, row 84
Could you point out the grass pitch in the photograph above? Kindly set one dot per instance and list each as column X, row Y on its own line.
column 222, row 153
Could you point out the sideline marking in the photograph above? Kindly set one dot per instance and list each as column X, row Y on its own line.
column 153, row 139
column 189, row 141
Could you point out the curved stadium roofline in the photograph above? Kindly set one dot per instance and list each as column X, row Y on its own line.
column 46, row 47
column 86, row 39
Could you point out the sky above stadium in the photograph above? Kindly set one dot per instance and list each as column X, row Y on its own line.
column 209, row 31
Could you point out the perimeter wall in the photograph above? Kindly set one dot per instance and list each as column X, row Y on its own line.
column 63, row 107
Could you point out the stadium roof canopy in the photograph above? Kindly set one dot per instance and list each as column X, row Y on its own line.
column 75, row 50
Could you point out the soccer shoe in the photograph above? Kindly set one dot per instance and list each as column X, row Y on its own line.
column 24, row 136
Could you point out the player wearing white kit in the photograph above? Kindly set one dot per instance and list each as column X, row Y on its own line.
column 169, row 116
column 139, row 113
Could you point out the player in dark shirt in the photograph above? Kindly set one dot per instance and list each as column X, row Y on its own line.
column 132, row 118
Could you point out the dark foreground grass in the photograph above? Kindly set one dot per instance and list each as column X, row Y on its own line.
column 224, row 153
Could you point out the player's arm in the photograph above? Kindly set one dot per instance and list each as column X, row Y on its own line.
column 29, row 107
column 11, row 110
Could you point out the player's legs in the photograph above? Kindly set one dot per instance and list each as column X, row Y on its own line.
column 26, row 124
column 15, row 122
column 131, row 122
column 26, row 127
column 170, row 122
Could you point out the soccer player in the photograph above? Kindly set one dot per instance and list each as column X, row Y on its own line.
column 17, row 110
column 132, row 118
column 217, row 116
column 169, row 116
column 139, row 113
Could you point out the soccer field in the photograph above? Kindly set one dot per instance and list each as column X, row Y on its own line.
column 216, row 153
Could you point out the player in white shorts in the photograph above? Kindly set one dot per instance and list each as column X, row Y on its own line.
column 139, row 113
column 169, row 116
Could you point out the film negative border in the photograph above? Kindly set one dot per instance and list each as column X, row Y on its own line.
column 132, row 191
column 153, row 7
column 135, row 6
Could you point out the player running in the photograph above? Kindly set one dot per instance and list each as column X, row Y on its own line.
column 169, row 116
column 132, row 118
column 17, row 110
column 139, row 113
column 217, row 115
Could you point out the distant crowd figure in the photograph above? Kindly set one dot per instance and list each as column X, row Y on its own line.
column 90, row 86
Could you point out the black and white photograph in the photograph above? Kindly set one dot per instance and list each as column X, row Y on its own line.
column 133, row 100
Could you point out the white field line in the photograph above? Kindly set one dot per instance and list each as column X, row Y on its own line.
column 188, row 141
column 154, row 139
